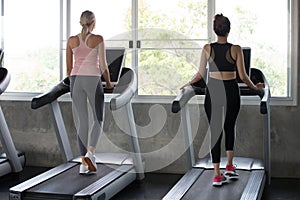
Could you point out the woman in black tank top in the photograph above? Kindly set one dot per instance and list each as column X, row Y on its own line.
column 222, row 99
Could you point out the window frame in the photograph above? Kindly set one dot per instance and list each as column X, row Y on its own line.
column 293, row 56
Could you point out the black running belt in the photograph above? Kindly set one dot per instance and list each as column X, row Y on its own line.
column 203, row 188
column 68, row 183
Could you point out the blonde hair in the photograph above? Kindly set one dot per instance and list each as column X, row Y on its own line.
column 87, row 18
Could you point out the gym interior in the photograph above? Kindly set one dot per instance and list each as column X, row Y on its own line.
column 162, row 146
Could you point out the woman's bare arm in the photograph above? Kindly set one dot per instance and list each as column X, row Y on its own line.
column 241, row 69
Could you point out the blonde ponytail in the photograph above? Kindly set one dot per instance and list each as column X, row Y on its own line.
column 84, row 31
column 87, row 18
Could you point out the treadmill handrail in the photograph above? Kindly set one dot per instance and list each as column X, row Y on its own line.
column 48, row 97
column 116, row 102
column 4, row 79
column 183, row 98
column 129, row 80
column 189, row 91
column 265, row 99
column 1, row 57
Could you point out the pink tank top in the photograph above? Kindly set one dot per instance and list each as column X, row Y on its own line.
column 86, row 59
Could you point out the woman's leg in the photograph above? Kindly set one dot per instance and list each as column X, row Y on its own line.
column 96, row 100
column 233, row 107
column 214, row 115
column 80, row 113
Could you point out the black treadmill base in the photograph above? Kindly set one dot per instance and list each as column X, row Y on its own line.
column 66, row 184
column 203, row 188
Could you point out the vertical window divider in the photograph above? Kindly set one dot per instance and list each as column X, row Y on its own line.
column 61, row 25
column 135, row 36
column 211, row 9
column 2, row 24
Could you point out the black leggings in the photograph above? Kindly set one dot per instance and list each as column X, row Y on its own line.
column 223, row 96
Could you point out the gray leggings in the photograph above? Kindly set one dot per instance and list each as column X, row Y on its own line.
column 89, row 88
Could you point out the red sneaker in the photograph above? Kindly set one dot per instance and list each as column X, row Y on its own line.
column 219, row 180
column 230, row 172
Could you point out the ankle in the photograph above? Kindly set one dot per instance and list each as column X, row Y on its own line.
column 83, row 161
column 92, row 150
column 217, row 173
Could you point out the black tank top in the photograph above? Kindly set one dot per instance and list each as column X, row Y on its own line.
column 221, row 59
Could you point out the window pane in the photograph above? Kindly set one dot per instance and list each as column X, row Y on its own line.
column 163, row 72
column 184, row 18
column 31, row 44
column 170, row 43
column 265, row 31
column 113, row 19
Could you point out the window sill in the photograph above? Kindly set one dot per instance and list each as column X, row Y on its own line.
column 275, row 101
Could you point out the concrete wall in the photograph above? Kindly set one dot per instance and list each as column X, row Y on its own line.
column 161, row 139
column 162, row 144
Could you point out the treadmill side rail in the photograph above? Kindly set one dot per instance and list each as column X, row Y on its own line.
column 184, row 184
column 254, row 187
column 97, row 188
column 22, row 187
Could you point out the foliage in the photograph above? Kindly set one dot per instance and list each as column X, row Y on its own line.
column 161, row 73
column 170, row 53
column 37, row 71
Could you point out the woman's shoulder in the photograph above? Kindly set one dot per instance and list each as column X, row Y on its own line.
column 73, row 41
column 73, row 37
column 236, row 46
column 207, row 47
column 98, row 38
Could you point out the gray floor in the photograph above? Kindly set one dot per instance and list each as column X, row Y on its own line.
column 155, row 186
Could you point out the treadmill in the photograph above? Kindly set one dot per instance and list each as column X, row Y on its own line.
column 115, row 170
column 1, row 57
column 253, row 173
column 11, row 160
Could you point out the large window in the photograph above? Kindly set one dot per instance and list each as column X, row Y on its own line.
column 266, row 32
column 31, row 44
column 170, row 43
column 173, row 41
column 167, row 38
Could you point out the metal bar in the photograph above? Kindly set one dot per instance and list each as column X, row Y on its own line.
column 134, row 27
column 60, row 131
column 61, row 25
column 169, row 48
column 210, row 13
column 135, row 143
column 184, row 184
column 41, row 178
column 8, row 145
column 267, row 143
column 2, row 24
column 188, row 135
column 253, row 189
column 103, row 182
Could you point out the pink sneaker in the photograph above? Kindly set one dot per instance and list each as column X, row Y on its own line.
column 219, row 180
column 230, row 172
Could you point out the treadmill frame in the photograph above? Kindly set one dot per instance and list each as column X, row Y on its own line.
column 111, row 183
column 258, row 171
column 11, row 160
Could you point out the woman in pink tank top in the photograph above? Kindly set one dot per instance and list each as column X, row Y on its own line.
column 86, row 63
